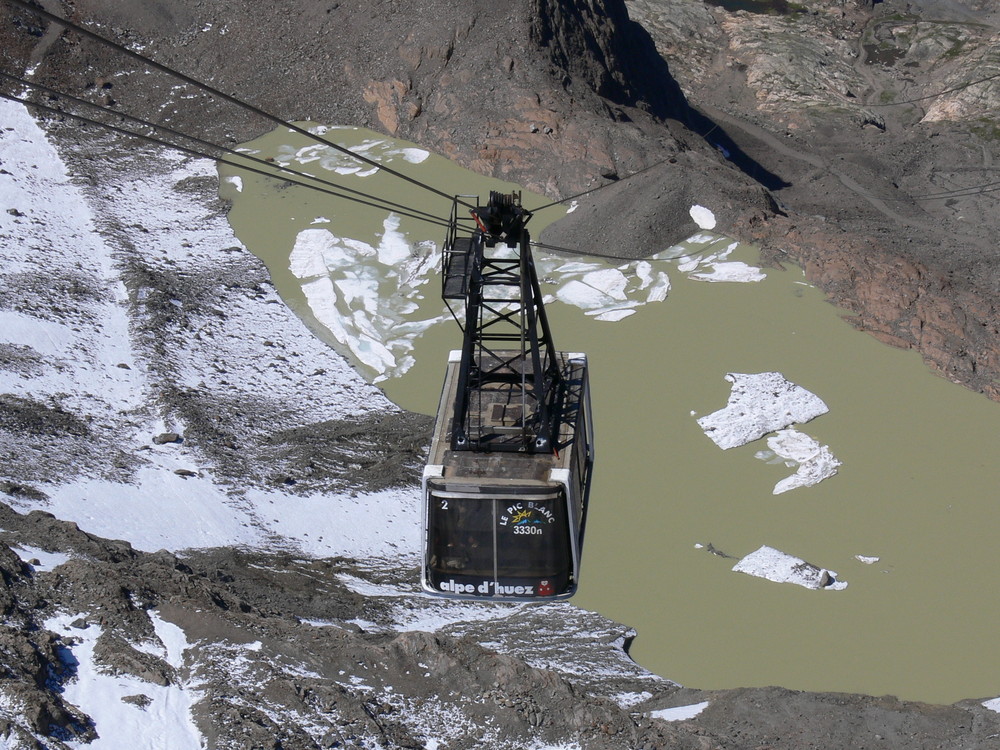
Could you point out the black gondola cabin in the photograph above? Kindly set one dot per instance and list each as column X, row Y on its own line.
column 507, row 480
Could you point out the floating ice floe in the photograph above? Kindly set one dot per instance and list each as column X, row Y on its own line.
column 605, row 294
column 759, row 404
column 341, row 162
column 780, row 567
column 867, row 559
column 364, row 294
column 711, row 264
column 734, row 271
column 814, row 462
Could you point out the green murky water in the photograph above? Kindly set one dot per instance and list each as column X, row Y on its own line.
column 918, row 485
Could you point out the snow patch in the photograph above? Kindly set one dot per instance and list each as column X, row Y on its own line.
column 160, row 718
column 679, row 713
column 164, row 510
column 39, row 558
column 627, row 700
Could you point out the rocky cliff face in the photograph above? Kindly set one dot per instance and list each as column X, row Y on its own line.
column 856, row 113
column 513, row 90
column 876, row 118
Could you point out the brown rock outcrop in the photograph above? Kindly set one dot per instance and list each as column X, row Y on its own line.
column 902, row 302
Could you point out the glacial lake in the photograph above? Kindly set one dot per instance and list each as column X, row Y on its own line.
column 908, row 521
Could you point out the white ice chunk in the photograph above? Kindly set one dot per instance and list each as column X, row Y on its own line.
column 236, row 181
column 703, row 217
column 394, row 248
column 688, row 263
column 679, row 713
column 758, row 404
column 867, row 559
column 307, row 257
column 815, row 461
column 575, row 267
column 363, row 289
column 322, row 299
column 731, row 271
column 581, row 295
column 611, row 281
column 414, row 155
column 780, row 567
column 644, row 272
column 660, row 289
column 993, row 704
column 612, row 315
column 307, row 154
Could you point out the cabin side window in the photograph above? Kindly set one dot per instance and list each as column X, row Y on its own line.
column 533, row 539
column 461, row 531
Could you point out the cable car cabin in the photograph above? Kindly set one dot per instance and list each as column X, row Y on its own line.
column 508, row 524
column 508, row 476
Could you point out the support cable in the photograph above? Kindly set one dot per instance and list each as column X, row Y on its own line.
column 939, row 93
column 221, row 94
column 599, row 187
column 195, row 152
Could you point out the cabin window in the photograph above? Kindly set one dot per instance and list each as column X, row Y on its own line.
column 489, row 546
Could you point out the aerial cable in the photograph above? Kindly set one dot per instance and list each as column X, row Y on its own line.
column 226, row 97
column 195, row 152
column 570, row 251
column 989, row 187
column 939, row 93
column 599, row 187
column 958, row 192
column 388, row 204
column 966, row 192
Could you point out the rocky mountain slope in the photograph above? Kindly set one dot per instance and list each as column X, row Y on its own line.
column 848, row 137
column 264, row 596
column 874, row 126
